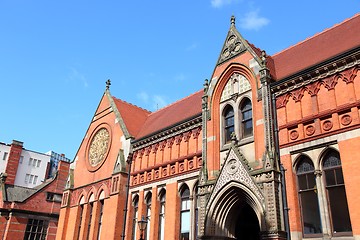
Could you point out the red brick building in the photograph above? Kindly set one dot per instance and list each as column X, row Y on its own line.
column 265, row 151
column 30, row 213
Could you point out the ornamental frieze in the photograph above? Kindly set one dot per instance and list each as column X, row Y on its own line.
column 313, row 88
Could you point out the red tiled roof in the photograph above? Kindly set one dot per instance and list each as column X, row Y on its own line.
column 322, row 46
column 172, row 114
column 133, row 116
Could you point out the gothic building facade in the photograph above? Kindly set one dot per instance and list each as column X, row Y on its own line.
column 266, row 150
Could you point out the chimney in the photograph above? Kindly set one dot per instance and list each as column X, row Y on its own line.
column 13, row 161
column 62, row 175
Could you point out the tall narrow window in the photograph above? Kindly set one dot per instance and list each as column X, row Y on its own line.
column 185, row 214
column 148, row 214
column 162, row 215
column 135, row 216
column 91, row 205
column 228, row 123
column 196, row 212
column 335, row 188
column 308, row 197
column 100, row 218
column 246, row 118
column 80, row 219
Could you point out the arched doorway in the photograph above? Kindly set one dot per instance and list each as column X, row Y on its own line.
column 247, row 224
column 235, row 213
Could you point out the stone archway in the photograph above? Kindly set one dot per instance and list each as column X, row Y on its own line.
column 247, row 225
column 234, row 214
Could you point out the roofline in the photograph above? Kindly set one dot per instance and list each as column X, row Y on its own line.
column 317, row 34
column 314, row 67
column 134, row 141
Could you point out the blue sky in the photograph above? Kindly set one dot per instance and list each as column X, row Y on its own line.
column 55, row 56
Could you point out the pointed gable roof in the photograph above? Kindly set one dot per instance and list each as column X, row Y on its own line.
column 133, row 116
column 322, row 46
column 176, row 112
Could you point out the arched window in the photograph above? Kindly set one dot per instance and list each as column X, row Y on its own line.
column 246, row 118
column 135, row 216
column 81, row 212
column 148, row 214
column 101, row 213
column 185, row 213
column 162, row 215
column 91, row 206
column 335, row 188
column 308, row 198
column 228, row 123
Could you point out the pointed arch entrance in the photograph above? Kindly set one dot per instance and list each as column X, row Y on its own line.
column 235, row 213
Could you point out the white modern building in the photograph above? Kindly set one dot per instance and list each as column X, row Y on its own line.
column 29, row 168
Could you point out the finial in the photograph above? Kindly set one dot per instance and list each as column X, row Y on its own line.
column 206, row 86
column 108, row 83
column 232, row 21
column 263, row 57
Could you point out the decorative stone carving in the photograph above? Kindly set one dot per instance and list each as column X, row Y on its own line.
column 313, row 88
column 235, row 170
column 294, row 135
column 99, row 146
column 310, row 130
column 164, row 172
column 327, row 125
column 346, row 119
column 298, row 94
column 282, row 100
column 330, row 82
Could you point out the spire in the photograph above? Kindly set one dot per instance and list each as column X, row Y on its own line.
column 108, row 83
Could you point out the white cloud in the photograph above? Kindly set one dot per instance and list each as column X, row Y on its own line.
column 143, row 96
column 191, row 47
column 154, row 102
column 220, row 3
column 75, row 75
column 159, row 102
column 252, row 21
column 180, row 77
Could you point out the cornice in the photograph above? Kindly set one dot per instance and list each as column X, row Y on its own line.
column 317, row 72
column 168, row 133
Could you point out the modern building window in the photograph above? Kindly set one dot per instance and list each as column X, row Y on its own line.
column 30, row 161
column 100, row 218
column 38, row 163
column 36, row 229
column 335, row 189
column 81, row 211
column 35, row 179
column 246, row 118
column 91, row 205
column 34, row 162
column 228, row 123
column 21, row 159
column 308, row 197
column 27, row 176
column 31, row 178
column 162, row 215
column 5, row 156
column 135, row 216
column 148, row 215
column 185, row 217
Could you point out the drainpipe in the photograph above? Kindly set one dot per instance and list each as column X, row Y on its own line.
column 128, row 161
column 282, row 170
